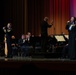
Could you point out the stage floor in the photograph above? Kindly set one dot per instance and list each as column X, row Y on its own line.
column 54, row 66
column 49, row 63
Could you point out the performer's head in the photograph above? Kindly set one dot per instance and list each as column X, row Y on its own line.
column 9, row 25
column 46, row 19
column 72, row 19
column 23, row 36
column 29, row 34
column 13, row 37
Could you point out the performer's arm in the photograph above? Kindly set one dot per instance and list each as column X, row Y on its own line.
column 50, row 24
column 67, row 25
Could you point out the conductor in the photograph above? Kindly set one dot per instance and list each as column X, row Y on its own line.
column 44, row 34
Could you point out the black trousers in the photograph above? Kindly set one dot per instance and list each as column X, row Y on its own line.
column 9, row 54
column 72, row 46
column 44, row 43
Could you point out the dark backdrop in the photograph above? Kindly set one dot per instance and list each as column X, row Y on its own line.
column 12, row 11
column 18, row 12
column 56, row 10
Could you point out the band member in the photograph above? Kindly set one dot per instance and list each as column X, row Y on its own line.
column 23, row 44
column 44, row 34
column 71, row 27
column 8, row 34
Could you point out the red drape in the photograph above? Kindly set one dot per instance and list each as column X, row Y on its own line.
column 56, row 10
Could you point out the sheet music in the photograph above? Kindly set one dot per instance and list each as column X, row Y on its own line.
column 60, row 38
column 66, row 36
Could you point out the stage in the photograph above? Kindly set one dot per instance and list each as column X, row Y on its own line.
column 35, row 66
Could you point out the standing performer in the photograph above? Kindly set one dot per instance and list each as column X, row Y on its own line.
column 44, row 34
column 8, row 34
column 71, row 27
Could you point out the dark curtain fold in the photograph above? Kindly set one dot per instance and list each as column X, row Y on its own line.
column 13, row 11
column 26, row 15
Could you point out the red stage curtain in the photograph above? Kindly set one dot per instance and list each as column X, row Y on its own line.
column 57, row 10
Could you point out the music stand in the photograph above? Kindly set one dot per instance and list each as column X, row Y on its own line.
column 66, row 36
column 59, row 38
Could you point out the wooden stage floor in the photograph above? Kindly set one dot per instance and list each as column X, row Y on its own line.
column 35, row 66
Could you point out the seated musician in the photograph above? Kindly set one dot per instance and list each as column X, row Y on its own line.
column 23, row 45
column 14, row 45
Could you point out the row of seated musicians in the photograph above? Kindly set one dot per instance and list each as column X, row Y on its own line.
column 23, row 46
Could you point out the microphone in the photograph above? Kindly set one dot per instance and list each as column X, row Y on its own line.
column 4, row 27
